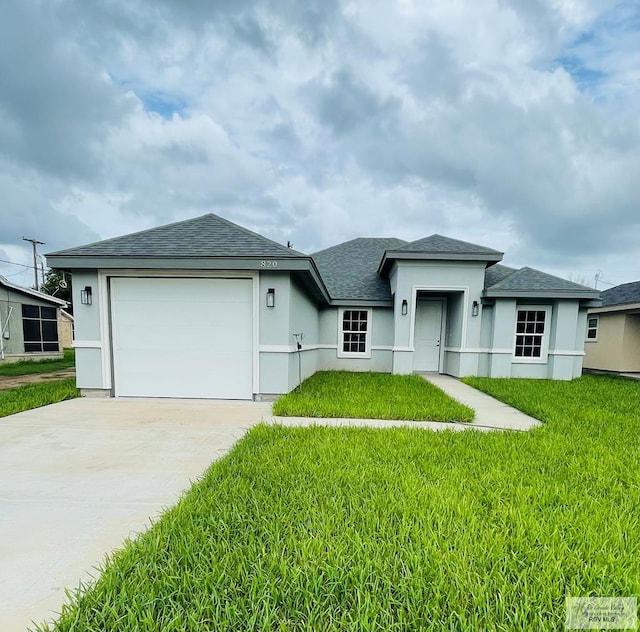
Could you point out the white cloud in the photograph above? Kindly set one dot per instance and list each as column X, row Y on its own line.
column 512, row 124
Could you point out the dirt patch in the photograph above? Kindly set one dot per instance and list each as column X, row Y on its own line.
column 14, row 381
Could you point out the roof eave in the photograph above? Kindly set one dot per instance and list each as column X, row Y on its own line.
column 123, row 262
column 392, row 255
column 34, row 294
column 360, row 302
column 624, row 307
column 560, row 294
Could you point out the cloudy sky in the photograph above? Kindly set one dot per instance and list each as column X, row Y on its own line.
column 510, row 123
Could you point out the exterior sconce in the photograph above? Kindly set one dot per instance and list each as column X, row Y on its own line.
column 405, row 307
column 271, row 297
column 475, row 308
column 85, row 295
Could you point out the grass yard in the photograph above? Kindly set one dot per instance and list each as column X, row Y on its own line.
column 370, row 396
column 29, row 367
column 16, row 400
column 395, row 529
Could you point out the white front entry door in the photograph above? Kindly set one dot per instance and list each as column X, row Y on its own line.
column 428, row 328
column 182, row 337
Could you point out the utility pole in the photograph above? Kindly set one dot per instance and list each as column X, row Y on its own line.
column 34, row 243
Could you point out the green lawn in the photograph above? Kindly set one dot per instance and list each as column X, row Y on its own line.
column 395, row 529
column 16, row 400
column 28, row 367
column 370, row 396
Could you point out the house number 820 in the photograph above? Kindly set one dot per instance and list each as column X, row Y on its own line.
column 269, row 263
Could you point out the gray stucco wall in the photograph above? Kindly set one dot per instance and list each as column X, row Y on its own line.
column 303, row 319
column 294, row 313
column 463, row 283
column 565, row 335
column 90, row 348
column 381, row 331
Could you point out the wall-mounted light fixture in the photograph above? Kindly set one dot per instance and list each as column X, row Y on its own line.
column 405, row 307
column 475, row 308
column 271, row 297
column 85, row 295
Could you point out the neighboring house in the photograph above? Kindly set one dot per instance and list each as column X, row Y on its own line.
column 613, row 331
column 65, row 329
column 28, row 323
column 206, row 308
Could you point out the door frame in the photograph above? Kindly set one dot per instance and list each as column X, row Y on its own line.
column 443, row 316
column 440, row 292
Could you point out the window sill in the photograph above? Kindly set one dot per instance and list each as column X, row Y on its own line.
column 516, row 360
column 362, row 356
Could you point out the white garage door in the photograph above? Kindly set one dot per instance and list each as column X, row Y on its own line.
column 182, row 337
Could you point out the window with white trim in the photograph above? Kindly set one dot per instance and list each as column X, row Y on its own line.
column 592, row 329
column 531, row 343
column 355, row 332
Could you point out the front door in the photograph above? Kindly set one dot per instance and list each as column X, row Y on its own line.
column 428, row 328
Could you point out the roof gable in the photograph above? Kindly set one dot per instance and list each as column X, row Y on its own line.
column 349, row 270
column 624, row 294
column 439, row 244
column 438, row 247
column 205, row 236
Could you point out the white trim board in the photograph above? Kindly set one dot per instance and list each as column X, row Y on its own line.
column 87, row 344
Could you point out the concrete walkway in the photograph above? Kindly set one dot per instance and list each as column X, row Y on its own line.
column 77, row 478
column 491, row 414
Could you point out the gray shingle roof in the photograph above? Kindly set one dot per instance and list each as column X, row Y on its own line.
column 530, row 279
column 205, row 236
column 497, row 273
column 621, row 294
column 446, row 245
column 349, row 270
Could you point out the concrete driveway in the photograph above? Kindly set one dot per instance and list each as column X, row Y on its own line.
column 78, row 477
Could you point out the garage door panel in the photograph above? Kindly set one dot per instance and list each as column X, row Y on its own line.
column 183, row 337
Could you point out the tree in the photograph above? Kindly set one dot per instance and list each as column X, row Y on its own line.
column 57, row 283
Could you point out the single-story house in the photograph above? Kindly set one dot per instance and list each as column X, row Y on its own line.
column 205, row 308
column 28, row 323
column 613, row 331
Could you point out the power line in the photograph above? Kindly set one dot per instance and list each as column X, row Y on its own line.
column 13, row 263
column 34, row 243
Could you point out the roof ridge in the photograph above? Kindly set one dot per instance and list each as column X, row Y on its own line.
column 475, row 246
column 252, row 233
column 208, row 222
column 349, row 241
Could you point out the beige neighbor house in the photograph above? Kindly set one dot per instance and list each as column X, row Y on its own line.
column 613, row 331
column 29, row 327
column 65, row 329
